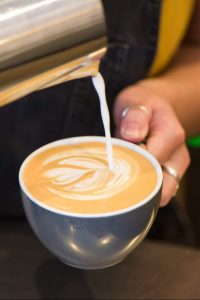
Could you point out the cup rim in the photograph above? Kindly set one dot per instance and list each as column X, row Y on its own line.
column 80, row 139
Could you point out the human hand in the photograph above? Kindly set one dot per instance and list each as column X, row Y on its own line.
column 142, row 114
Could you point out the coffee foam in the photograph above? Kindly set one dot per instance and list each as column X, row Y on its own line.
column 76, row 178
column 81, row 176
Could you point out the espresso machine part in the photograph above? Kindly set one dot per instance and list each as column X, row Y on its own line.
column 47, row 42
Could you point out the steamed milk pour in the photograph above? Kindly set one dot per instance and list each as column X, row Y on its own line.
column 100, row 88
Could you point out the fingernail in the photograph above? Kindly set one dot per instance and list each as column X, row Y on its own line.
column 128, row 132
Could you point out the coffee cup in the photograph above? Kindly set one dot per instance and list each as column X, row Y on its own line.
column 88, row 216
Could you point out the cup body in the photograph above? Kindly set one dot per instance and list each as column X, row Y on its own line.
column 92, row 241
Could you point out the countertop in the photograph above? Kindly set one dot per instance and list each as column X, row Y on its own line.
column 155, row 270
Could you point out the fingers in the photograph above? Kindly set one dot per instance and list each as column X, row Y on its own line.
column 165, row 141
column 179, row 160
column 158, row 126
column 165, row 135
column 160, row 129
column 135, row 123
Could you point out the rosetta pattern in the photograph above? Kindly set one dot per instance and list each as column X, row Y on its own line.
column 86, row 176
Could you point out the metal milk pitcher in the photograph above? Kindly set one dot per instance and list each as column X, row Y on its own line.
column 47, row 42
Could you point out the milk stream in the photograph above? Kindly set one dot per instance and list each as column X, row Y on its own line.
column 99, row 85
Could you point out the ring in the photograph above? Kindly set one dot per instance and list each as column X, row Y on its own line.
column 140, row 107
column 172, row 172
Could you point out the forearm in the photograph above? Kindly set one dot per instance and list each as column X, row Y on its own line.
column 180, row 85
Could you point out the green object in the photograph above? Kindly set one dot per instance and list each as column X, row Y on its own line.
column 194, row 142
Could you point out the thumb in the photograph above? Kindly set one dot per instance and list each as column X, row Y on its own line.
column 134, row 124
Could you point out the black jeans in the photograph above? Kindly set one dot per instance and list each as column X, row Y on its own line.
column 72, row 109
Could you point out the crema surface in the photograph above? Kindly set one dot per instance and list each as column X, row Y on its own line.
column 76, row 178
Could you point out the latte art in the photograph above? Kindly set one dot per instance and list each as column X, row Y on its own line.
column 86, row 176
column 76, row 177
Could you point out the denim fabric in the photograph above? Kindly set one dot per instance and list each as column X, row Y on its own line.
column 72, row 109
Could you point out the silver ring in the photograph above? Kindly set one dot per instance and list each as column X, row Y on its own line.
column 140, row 107
column 172, row 172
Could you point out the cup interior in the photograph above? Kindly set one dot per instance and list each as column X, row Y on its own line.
column 78, row 140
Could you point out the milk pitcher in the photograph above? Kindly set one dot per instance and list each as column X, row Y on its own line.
column 47, row 42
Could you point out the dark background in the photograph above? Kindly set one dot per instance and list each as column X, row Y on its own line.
column 192, row 192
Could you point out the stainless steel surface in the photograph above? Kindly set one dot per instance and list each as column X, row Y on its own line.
column 47, row 42
column 35, row 28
